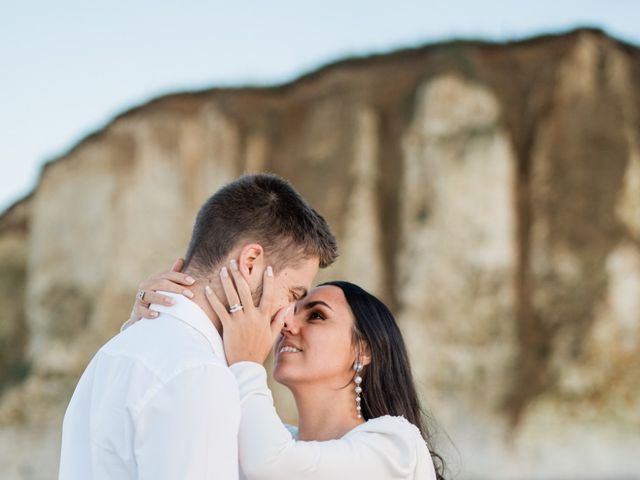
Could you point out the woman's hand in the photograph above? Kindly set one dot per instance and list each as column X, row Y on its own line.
column 248, row 332
column 172, row 281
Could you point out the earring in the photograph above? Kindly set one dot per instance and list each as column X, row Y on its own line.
column 358, row 380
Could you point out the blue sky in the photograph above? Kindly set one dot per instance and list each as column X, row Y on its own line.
column 68, row 67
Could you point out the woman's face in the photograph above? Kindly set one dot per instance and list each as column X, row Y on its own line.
column 315, row 345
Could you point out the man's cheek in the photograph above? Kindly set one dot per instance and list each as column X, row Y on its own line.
column 281, row 299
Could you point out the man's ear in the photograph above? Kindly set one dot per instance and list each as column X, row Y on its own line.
column 251, row 262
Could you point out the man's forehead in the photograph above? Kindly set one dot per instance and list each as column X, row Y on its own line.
column 301, row 269
column 300, row 278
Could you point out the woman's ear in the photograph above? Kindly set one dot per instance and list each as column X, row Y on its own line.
column 251, row 262
column 363, row 353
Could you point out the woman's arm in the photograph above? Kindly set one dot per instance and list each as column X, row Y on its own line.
column 386, row 449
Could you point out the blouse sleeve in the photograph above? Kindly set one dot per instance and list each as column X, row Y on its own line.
column 267, row 450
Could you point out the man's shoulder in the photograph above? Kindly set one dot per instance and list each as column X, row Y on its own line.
column 163, row 346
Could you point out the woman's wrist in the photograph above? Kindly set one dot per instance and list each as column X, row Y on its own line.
column 245, row 357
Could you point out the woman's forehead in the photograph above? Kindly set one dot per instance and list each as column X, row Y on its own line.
column 327, row 291
column 329, row 294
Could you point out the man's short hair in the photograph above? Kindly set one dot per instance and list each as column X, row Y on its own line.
column 262, row 208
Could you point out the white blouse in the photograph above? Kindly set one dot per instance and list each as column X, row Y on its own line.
column 381, row 448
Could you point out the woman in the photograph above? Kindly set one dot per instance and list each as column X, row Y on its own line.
column 342, row 355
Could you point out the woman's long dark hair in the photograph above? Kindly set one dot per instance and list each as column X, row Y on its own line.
column 388, row 387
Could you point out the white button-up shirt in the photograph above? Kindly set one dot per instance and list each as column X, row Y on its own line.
column 157, row 402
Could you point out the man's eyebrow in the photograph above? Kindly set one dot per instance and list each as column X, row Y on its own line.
column 317, row 302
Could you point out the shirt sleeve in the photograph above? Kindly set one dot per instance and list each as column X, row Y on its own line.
column 268, row 451
column 188, row 428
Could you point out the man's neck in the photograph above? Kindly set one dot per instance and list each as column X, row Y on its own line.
column 200, row 299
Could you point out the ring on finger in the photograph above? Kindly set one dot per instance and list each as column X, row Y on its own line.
column 236, row 307
column 140, row 296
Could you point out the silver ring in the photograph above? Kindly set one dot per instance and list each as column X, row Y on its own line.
column 235, row 308
column 140, row 295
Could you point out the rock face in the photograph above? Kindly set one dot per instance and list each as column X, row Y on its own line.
column 490, row 194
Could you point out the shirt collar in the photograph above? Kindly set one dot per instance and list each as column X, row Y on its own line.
column 190, row 313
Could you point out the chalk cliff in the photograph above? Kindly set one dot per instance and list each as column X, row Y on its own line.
column 490, row 193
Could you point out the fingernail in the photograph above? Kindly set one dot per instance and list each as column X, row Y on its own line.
column 154, row 314
column 188, row 293
column 224, row 272
column 234, row 265
column 169, row 301
column 208, row 290
column 269, row 271
column 190, row 280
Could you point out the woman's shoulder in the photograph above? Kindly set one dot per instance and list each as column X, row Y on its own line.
column 390, row 424
column 401, row 441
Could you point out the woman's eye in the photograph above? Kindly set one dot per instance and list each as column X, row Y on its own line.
column 316, row 316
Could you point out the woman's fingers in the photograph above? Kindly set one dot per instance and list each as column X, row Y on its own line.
column 173, row 281
column 177, row 266
column 165, row 286
column 216, row 304
column 147, row 313
column 242, row 287
column 175, row 277
column 229, row 289
column 277, row 324
column 141, row 310
column 155, row 297
column 266, row 302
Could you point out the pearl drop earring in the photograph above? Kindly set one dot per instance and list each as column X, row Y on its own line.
column 358, row 380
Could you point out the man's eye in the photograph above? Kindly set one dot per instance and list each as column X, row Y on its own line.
column 294, row 295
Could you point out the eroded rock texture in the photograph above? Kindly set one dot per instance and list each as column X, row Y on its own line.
column 490, row 194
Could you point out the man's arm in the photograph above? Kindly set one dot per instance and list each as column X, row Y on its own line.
column 188, row 429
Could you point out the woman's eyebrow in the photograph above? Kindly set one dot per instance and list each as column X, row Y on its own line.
column 317, row 302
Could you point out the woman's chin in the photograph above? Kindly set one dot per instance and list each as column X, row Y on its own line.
column 282, row 376
column 278, row 375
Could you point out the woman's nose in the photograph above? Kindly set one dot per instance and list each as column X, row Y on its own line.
column 292, row 324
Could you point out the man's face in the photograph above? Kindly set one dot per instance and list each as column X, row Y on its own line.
column 292, row 283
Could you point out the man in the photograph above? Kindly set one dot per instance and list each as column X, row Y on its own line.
column 158, row 401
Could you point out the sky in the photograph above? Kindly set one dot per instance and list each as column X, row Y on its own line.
column 68, row 67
